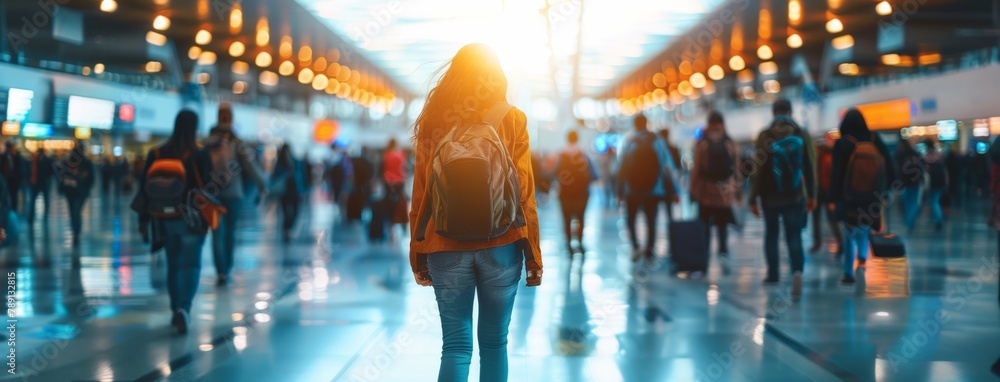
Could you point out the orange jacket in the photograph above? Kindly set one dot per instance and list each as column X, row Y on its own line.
column 514, row 133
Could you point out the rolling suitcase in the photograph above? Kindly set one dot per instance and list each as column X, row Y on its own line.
column 355, row 205
column 688, row 246
column 887, row 245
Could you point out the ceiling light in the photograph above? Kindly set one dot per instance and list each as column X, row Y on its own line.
column 240, row 67
column 737, row 64
column 794, row 12
column 98, row 68
column 320, row 82
column 203, row 78
column 333, row 86
column 154, row 67
column 306, row 76
column 843, row 42
column 891, row 59
column 697, row 80
column 685, row 88
column 716, row 73
column 203, row 37
column 285, row 49
column 263, row 59
column 194, row 52
column 239, row 87
column 237, row 49
column 109, row 6
column 794, row 41
column 161, row 22
column 235, row 20
column 747, row 92
column 849, row 69
column 286, row 68
column 659, row 80
column 156, row 38
column 768, row 68
column 269, row 78
column 883, row 8
column 305, row 53
column 207, row 58
column 929, row 58
column 85, row 71
column 319, row 65
column 834, row 26
column 764, row 52
column 263, row 32
column 745, row 76
column 772, row 86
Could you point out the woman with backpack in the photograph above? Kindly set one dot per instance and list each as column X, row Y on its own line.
column 459, row 247
column 713, row 181
column 178, row 164
column 862, row 170
column 911, row 169
column 75, row 181
column 937, row 176
column 288, row 185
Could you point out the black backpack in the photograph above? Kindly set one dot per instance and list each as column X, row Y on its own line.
column 642, row 165
column 166, row 185
column 574, row 174
column 720, row 163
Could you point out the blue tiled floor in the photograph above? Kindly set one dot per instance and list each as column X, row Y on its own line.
column 330, row 307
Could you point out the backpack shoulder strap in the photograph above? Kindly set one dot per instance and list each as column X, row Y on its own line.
column 494, row 116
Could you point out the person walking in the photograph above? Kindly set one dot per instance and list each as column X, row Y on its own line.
column 713, row 180
column 784, row 184
column 288, row 186
column 490, row 257
column 394, row 176
column 643, row 180
column 232, row 161
column 912, row 169
column 994, row 218
column 862, row 171
column 937, row 176
column 176, row 164
column 574, row 173
column 40, row 180
column 11, row 164
column 76, row 178
column 670, row 196
column 824, row 167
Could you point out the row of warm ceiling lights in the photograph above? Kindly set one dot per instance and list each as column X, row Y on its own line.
column 765, row 53
column 339, row 80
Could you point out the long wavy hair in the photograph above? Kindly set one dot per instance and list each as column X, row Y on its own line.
column 472, row 82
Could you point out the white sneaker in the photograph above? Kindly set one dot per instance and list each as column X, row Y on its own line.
column 796, row 285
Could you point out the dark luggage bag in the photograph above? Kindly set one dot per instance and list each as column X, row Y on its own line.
column 688, row 246
column 355, row 205
column 887, row 245
column 376, row 227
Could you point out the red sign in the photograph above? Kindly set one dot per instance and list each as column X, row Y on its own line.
column 126, row 113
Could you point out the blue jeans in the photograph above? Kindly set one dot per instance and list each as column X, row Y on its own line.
column 224, row 237
column 794, row 218
column 183, row 249
column 458, row 276
column 934, row 200
column 855, row 244
column 911, row 205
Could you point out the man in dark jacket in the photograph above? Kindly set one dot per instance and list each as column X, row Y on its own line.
column 11, row 164
column 40, row 180
column 784, row 182
column 645, row 177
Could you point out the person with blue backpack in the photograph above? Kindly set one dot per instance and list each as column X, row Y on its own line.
column 644, row 178
column 862, row 171
column 173, row 171
column 783, row 181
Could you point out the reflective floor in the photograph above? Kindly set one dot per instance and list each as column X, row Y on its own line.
column 329, row 307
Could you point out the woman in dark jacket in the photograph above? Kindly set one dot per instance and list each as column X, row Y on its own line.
column 76, row 178
column 288, row 185
column 857, row 217
column 182, row 243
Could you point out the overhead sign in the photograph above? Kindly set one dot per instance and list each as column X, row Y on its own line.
column 90, row 112
column 36, row 130
column 19, row 104
column 947, row 130
column 11, row 128
column 888, row 115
